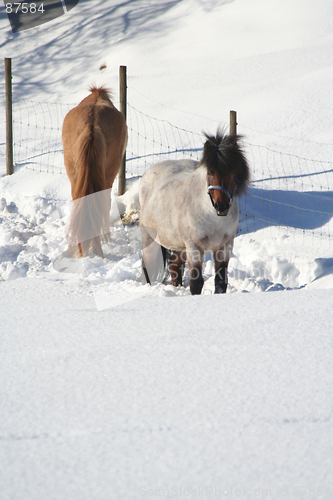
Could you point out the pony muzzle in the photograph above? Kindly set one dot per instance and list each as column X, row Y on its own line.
column 222, row 209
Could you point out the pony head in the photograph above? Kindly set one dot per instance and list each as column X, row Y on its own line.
column 227, row 170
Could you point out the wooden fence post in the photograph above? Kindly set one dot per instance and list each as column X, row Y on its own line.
column 123, row 108
column 233, row 123
column 9, row 117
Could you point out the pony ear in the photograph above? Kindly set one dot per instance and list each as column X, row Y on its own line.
column 210, row 142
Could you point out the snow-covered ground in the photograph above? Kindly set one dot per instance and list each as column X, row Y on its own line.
column 111, row 389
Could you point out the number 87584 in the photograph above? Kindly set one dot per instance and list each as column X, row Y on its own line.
column 25, row 8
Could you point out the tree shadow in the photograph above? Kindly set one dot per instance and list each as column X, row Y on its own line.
column 111, row 24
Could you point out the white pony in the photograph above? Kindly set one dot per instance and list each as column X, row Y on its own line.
column 189, row 208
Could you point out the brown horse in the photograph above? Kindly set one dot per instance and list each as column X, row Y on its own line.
column 94, row 137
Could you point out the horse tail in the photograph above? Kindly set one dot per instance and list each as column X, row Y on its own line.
column 90, row 215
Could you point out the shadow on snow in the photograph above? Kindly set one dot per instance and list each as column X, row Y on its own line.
column 261, row 208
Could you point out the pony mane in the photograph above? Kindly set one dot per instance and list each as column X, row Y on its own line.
column 224, row 155
column 101, row 90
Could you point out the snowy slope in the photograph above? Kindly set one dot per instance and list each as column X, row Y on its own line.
column 115, row 390
column 180, row 393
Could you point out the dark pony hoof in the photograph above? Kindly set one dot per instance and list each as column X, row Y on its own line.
column 196, row 286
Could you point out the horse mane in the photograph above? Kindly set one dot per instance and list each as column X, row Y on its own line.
column 224, row 155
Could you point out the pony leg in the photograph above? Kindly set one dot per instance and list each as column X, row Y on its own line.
column 147, row 240
column 177, row 265
column 153, row 260
column 221, row 278
column 221, row 259
column 194, row 259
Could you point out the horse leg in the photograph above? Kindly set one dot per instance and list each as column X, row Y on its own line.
column 96, row 246
column 146, row 242
column 221, row 277
column 221, row 259
column 177, row 264
column 103, row 198
column 153, row 260
column 194, row 259
column 80, row 251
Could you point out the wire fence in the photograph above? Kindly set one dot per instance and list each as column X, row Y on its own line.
column 286, row 190
column 152, row 140
column 37, row 135
column 289, row 191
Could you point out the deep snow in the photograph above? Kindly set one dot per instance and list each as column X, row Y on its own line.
column 115, row 390
column 165, row 393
